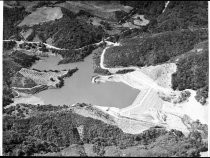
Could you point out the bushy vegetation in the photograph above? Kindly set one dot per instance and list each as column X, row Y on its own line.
column 133, row 36
column 7, row 94
column 8, row 45
column 11, row 18
column 106, row 25
column 30, row 129
column 70, row 33
column 148, row 8
column 20, row 81
column 33, row 90
column 70, row 56
column 178, row 15
column 40, row 46
column 69, row 73
column 192, row 73
column 26, row 83
column 120, row 15
column 96, row 64
column 124, row 71
column 23, row 59
column 11, row 65
column 50, row 129
column 155, row 49
column 202, row 94
column 183, row 15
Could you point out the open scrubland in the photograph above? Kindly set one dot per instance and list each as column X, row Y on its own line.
column 104, row 10
column 33, row 81
column 41, row 15
column 43, row 78
column 25, row 92
column 24, row 82
column 12, row 63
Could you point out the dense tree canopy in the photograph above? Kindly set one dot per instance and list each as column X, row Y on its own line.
column 11, row 65
column 11, row 18
column 154, row 49
column 50, row 129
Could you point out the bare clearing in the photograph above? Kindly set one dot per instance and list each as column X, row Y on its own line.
column 104, row 10
column 149, row 109
column 27, row 100
column 26, row 33
column 136, row 21
column 103, row 7
column 42, row 15
column 43, row 78
column 140, row 20
column 28, row 5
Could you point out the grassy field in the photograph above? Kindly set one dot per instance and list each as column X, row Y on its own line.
column 29, row 81
column 43, row 78
column 33, row 90
column 24, row 82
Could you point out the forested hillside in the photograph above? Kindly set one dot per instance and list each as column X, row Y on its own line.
column 30, row 129
column 11, row 18
column 11, row 65
column 176, row 34
column 192, row 72
column 67, row 32
column 183, row 15
column 155, row 49
column 70, row 33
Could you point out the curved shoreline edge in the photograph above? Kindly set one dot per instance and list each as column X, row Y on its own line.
column 169, row 115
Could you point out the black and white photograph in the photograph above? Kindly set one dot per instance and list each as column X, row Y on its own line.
column 104, row 78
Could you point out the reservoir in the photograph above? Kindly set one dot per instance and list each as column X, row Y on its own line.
column 79, row 89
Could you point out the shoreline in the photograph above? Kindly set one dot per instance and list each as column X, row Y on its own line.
column 148, row 107
column 56, row 80
column 167, row 111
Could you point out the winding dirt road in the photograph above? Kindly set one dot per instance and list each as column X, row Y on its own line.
column 47, row 45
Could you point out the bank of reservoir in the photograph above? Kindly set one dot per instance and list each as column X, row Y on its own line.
column 79, row 88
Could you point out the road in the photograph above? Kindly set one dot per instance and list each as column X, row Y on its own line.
column 47, row 45
column 146, row 100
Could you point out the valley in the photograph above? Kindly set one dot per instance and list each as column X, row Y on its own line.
column 105, row 78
